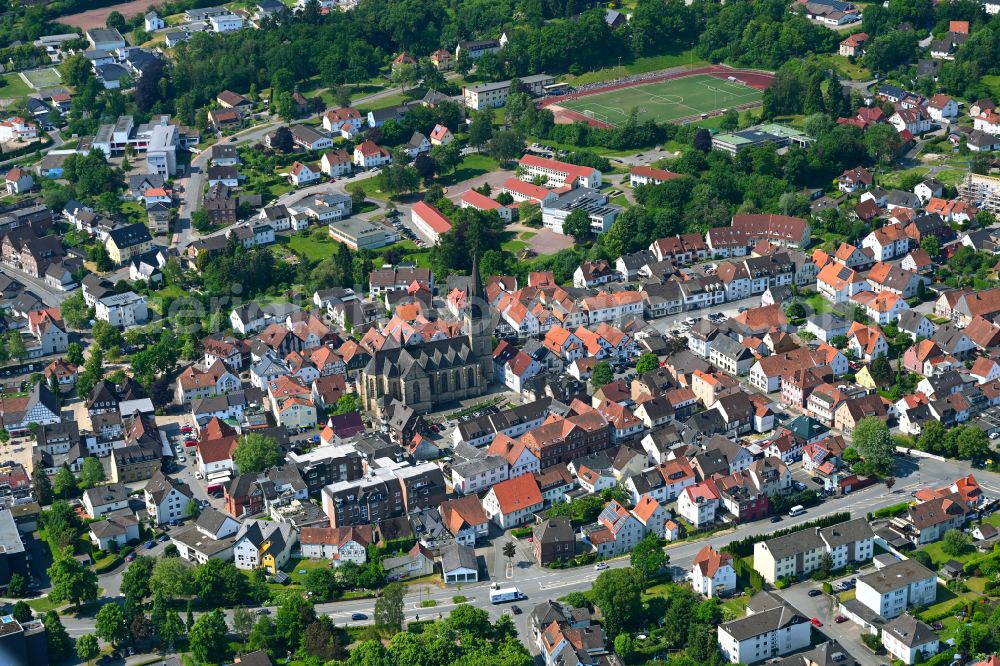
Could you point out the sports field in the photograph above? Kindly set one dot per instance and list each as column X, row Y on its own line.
column 664, row 101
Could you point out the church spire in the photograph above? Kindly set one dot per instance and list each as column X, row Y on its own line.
column 477, row 296
column 476, row 288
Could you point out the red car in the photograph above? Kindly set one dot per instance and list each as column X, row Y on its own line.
column 839, row 619
column 130, row 557
column 190, row 442
column 815, row 622
column 186, row 429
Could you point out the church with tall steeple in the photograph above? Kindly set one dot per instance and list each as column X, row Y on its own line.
column 429, row 375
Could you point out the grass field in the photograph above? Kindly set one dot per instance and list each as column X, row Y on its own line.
column 664, row 101
column 14, row 87
column 637, row 66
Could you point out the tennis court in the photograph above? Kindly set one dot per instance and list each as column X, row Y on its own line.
column 42, row 78
column 664, row 101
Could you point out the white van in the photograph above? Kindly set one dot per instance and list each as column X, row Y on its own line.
column 796, row 510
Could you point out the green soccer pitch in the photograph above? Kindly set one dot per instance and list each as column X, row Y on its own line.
column 664, row 101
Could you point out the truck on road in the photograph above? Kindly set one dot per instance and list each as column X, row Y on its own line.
column 499, row 595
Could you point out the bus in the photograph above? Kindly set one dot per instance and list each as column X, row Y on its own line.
column 796, row 510
column 557, row 88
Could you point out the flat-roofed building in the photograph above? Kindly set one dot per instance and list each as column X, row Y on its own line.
column 361, row 235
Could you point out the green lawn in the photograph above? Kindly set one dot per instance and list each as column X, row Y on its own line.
column 818, row 304
column 951, row 176
column 471, row 166
column 664, row 101
column 42, row 605
column 395, row 99
column 851, row 70
column 312, row 247
column 14, row 87
column 939, row 557
column 737, row 606
column 297, row 570
column 638, row 66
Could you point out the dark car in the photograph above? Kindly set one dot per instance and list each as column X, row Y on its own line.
column 164, row 537
column 775, row 519
column 516, row 610
column 815, row 593
column 263, row 611
column 358, row 616
column 150, row 545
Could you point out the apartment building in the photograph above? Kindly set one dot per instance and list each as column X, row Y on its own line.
column 801, row 552
column 896, row 585
column 771, row 628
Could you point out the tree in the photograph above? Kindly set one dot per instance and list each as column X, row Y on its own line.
column 624, row 647
column 703, row 140
column 577, row 225
column 972, row 444
column 22, row 612
column 41, row 486
column 648, row 556
column 506, row 146
column 795, row 311
column 192, row 509
column 207, row 637
column 294, row 614
column 115, row 21
column 647, row 363
column 509, row 550
column 72, row 582
column 955, row 542
column 74, row 352
column 389, row 608
column 17, row 586
column 243, row 621
column 617, row 592
column 87, row 647
column 171, row 630
column 602, row 374
column 320, row 640
column 172, row 576
column 447, row 158
column 91, row 472
column 58, row 641
column 219, row 580
column 256, row 453
column 75, row 314
column 931, row 245
column 881, row 371
column 61, row 526
column 140, row 628
column 480, row 129
column 282, row 140
column 110, row 624
column 322, row 583
column 882, row 141
column 136, row 579
column 874, row 445
column 16, row 348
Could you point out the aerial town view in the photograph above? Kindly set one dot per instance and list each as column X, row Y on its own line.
column 499, row 333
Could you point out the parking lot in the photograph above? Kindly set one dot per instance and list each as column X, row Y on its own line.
column 823, row 608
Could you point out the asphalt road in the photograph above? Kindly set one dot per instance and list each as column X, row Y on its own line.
column 42, row 291
column 540, row 584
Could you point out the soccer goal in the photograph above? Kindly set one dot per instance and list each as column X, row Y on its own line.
column 596, row 116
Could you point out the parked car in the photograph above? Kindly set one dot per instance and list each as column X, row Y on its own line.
column 775, row 519
column 163, row 537
column 358, row 616
column 815, row 622
column 815, row 593
column 263, row 611
column 150, row 545
column 516, row 610
column 601, row 566
column 130, row 557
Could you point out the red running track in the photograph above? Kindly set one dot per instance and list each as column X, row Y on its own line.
column 755, row 79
